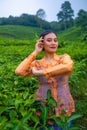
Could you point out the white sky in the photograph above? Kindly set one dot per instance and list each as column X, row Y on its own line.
column 51, row 7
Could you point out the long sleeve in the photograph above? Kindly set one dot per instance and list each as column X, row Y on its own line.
column 24, row 67
column 64, row 68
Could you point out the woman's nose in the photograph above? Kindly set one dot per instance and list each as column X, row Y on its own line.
column 53, row 42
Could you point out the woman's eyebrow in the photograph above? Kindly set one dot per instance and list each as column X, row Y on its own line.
column 48, row 38
column 51, row 38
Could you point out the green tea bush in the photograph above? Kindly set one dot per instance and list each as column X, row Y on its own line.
column 17, row 102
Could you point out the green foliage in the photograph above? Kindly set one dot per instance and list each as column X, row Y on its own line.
column 17, row 102
column 26, row 20
column 62, row 121
column 16, row 106
column 80, row 20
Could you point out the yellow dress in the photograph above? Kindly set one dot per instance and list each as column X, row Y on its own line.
column 51, row 79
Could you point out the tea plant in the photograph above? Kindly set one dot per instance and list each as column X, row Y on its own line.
column 17, row 93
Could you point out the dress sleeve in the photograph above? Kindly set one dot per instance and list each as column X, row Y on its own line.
column 24, row 68
column 64, row 68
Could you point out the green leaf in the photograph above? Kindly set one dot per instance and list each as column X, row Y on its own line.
column 13, row 114
column 17, row 127
column 58, row 122
column 2, row 109
column 74, row 128
column 17, row 103
column 29, row 102
column 9, row 125
column 73, row 117
column 25, row 95
column 22, row 110
column 48, row 94
column 26, row 117
column 52, row 102
column 27, row 128
column 3, row 121
column 51, row 128
column 35, row 118
column 44, row 114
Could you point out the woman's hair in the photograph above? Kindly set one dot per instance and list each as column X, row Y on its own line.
column 43, row 34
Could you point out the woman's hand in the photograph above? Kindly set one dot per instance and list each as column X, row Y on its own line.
column 36, row 72
column 39, row 46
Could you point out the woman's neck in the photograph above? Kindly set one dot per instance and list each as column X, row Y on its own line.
column 49, row 57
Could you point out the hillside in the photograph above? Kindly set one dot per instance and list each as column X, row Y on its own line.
column 23, row 32
column 71, row 34
column 18, row 32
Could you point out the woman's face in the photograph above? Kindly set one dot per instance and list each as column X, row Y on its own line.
column 50, row 43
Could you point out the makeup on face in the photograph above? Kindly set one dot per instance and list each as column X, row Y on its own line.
column 51, row 40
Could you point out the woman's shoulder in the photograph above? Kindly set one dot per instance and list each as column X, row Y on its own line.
column 64, row 57
column 61, row 56
column 38, row 62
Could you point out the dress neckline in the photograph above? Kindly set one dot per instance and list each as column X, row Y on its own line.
column 56, row 61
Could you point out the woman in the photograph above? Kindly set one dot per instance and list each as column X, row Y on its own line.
column 52, row 72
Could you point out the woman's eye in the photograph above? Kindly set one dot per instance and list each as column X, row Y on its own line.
column 55, row 40
column 49, row 40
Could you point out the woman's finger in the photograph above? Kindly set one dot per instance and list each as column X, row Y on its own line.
column 41, row 40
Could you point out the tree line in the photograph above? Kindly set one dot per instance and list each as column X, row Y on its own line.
column 65, row 19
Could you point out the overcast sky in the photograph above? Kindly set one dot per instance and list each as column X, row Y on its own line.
column 51, row 7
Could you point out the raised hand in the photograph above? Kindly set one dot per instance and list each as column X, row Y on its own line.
column 39, row 45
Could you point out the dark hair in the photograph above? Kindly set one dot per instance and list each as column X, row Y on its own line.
column 43, row 34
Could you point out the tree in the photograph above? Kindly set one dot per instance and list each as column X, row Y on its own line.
column 81, row 19
column 60, row 16
column 41, row 14
column 82, row 22
column 66, row 13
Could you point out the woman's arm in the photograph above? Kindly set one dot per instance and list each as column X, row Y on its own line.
column 24, row 66
column 64, row 68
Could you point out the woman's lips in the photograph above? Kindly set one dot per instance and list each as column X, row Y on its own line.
column 53, row 47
